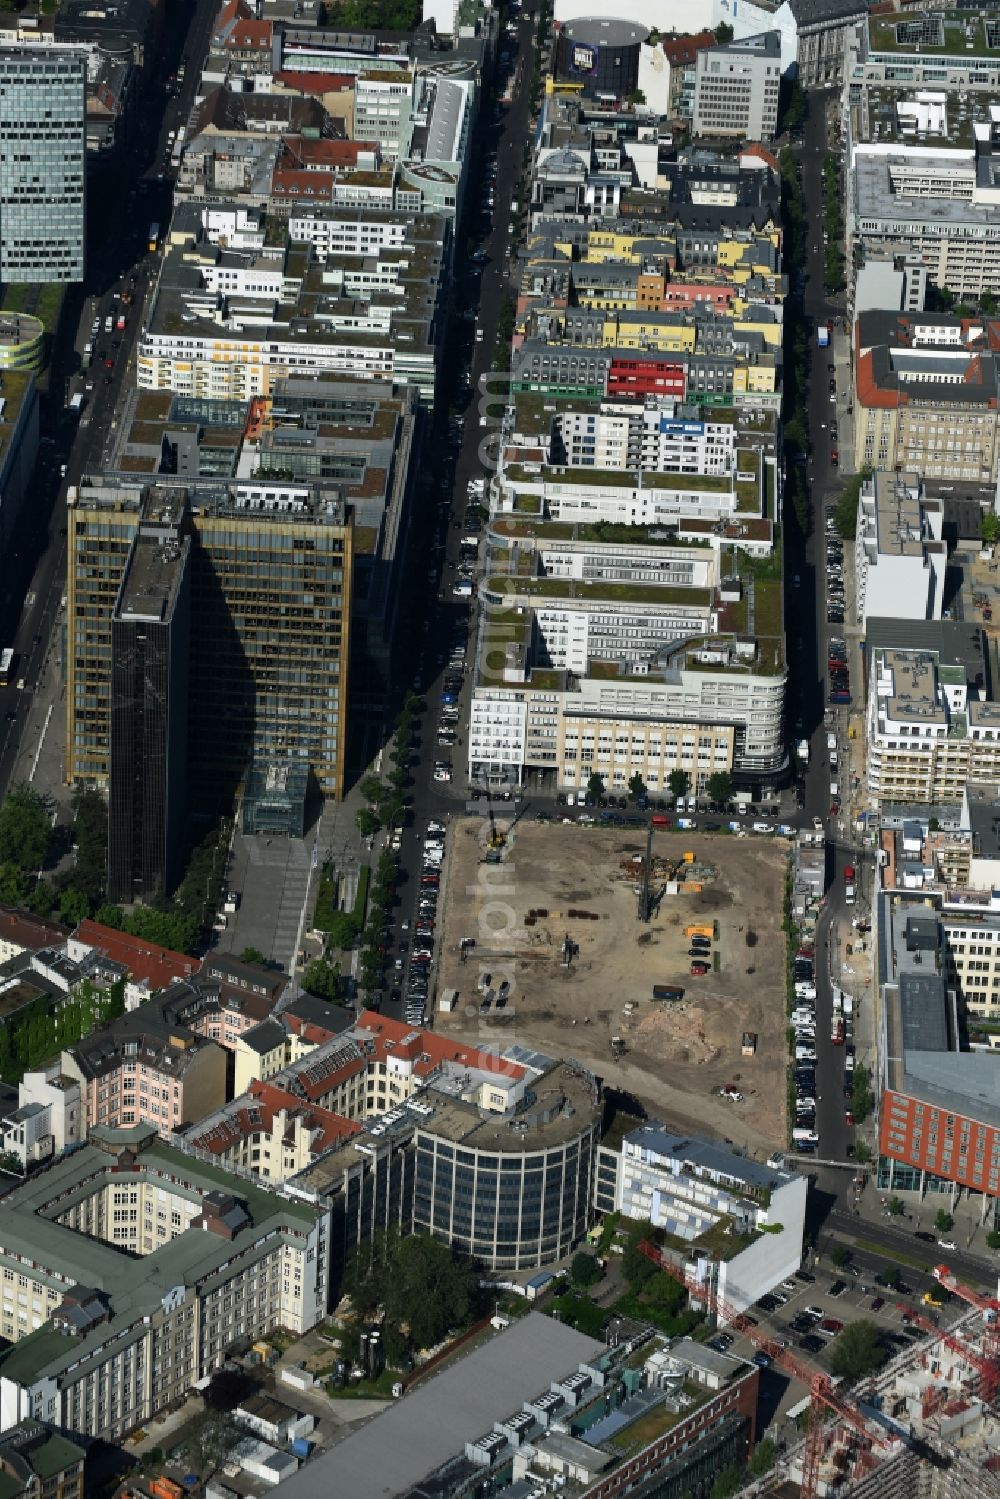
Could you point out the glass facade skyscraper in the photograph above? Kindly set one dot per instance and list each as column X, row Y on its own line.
column 43, row 150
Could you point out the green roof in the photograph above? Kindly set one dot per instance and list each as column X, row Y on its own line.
column 904, row 33
column 623, row 593
column 614, row 478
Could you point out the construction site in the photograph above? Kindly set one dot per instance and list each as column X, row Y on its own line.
column 655, row 956
column 924, row 1427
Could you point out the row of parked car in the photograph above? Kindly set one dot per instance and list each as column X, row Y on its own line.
column 803, row 1021
column 424, row 926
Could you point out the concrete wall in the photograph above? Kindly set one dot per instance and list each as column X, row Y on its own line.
column 773, row 1257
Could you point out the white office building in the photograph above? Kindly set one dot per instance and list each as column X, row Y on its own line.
column 691, row 1189
column 900, row 557
column 736, row 88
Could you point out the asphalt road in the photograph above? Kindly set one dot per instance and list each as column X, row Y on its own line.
column 480, row 291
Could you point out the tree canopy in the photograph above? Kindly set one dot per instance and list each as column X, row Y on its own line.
column 858, row 1350
column 719, row 786
column 679, row 782
column 423, row 1287
column 25, row 829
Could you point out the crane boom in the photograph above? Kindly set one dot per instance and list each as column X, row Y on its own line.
column 990, row 1308
column 823, row 1395
column 972, row 1356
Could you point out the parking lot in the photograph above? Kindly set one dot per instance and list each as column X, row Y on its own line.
column 810, row 1310
column 556, row 957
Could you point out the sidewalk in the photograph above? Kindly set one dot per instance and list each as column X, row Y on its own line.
column 41, row 757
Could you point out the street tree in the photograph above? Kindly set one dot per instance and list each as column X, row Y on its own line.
column 943, row 1221
column 895, row 1207
column 679, row 782
column 719, row 786
column 636, row 785
column 595, row 786
column 367, row 822
column 372, row 789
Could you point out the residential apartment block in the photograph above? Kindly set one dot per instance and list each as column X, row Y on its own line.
column 128, row 1271
column 144, row 1069
column 932, row 724
column 228, row 322
column 40, row 1463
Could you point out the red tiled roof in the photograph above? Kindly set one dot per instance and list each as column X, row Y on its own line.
column 869, row 392
column 250, row 34
column 301, row 150
column 681, row 51
column 411, row 1042
column 29, row 932
column 758, row 149
column 146, row 961
column 315, row 83
column 256, row 1116
column 297, row 184
column 316, row 1083
column 333, row 1126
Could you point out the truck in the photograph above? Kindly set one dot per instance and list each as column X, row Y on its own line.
column 802, row 751
column 667, row 991
column 701, row 929
column 837, row 1029
column 823, row 336
column 849, row 885
column 77, row 402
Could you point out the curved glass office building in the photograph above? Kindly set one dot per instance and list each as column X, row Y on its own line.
column 513, row 1191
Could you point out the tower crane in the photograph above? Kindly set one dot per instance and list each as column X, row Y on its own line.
column 989, row 1306
column 978, row 1360
column 823, row 1395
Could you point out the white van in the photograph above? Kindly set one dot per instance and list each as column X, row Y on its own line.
column 806, row 1136
column 571, row 798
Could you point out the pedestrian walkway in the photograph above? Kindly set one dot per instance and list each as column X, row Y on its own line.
column 41, row 757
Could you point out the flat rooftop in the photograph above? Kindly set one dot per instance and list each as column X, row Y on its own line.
column 152, row 580
column 435, row 1421
column 560, row 1100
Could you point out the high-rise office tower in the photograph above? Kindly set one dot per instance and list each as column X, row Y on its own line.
column 43, row 163
column 150, row 646
column 270, row 581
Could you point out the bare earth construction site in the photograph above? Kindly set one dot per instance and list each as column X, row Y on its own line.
column 557, row 882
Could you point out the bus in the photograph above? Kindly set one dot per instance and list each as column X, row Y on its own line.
column 6, row 666
column 154, row 238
